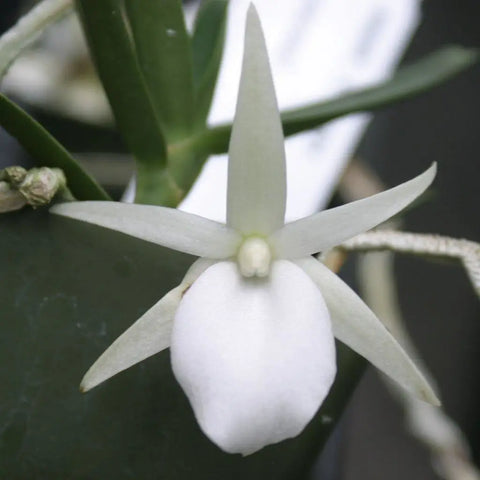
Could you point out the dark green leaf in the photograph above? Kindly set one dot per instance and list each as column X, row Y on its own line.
column 207, row 49
column 69, row 290
column 164, row 53
column 408, row 82
column 112, row 50
column 47, row 151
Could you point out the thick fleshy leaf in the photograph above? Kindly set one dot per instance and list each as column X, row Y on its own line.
column 326, row 229
column 165, row 226
column 149, row 335
column 256, row 193
column 164, row 54
column 110, row 44
column 356, row 325
column 207, row 48
column 255, row 356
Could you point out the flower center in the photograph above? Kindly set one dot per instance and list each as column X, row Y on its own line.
column 254, row 257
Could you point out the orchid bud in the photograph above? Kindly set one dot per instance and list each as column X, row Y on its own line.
column 41, row 184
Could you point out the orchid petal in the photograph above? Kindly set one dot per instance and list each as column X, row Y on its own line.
column 255, row 356
column 357, row 326
column 169, row 227
column 149, row 335
column 326, row 229
column 256, row 193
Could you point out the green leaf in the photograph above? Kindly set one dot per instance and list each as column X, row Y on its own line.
column 68, row 290
column 112, row 50
column 164, row 53
column 408, row 82
column 207, row 49
column 47, row 151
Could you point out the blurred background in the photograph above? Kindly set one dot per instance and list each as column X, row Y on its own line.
column 437, row 301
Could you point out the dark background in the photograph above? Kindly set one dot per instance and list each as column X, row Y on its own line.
column 438, row 303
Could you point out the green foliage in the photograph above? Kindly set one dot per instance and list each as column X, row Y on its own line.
column 421, row 76
column 207, row 49
column 410, row 81
column 47, row 151
column 160, row 84
column 163, row 50
column 110, row 44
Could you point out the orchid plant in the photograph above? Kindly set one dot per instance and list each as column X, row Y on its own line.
column 253, row 337
column 251, row 326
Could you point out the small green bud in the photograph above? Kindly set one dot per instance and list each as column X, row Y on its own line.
column 15, row 175
column 41, row 184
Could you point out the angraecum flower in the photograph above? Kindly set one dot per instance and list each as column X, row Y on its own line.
column 251, row 327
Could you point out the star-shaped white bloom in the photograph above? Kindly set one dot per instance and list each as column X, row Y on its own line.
column 251, row 327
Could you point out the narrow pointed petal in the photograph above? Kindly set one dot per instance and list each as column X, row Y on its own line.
column 165, row 226
column 326, row 229
column 149, row 335
column 256, row 169
column 357, row 326
column 255, row 357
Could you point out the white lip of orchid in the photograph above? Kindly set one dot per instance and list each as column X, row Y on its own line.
column 254, row 257
column 255, row 358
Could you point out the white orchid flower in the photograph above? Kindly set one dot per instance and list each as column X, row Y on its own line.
column 251, row 327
